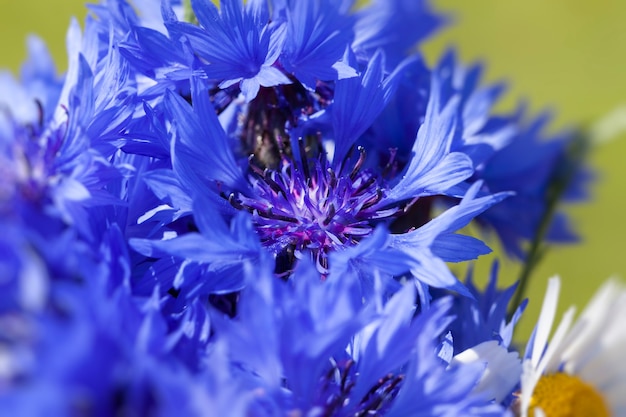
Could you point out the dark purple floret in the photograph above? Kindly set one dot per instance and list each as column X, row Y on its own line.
column 342, row 377
column 312, row 207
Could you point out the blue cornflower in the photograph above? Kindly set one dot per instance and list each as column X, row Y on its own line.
column 57, row 163
column 287, row 127
column 274, row 169
column 42, row 172
column 309, row 207
column 238, row 43
column 263, row 43
column 318, row 33
column 91, row 347
column 308, row 347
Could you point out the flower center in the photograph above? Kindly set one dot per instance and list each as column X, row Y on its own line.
column 563, row 395
column 264, row 135
column 302, row 202
column 308, row 206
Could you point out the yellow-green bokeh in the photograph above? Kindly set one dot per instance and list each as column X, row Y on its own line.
column 48, row 19
column 568, row 56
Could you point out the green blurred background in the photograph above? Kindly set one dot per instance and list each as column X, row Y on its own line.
column 567, row 56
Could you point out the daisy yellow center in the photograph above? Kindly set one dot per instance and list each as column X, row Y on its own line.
column 563, row 395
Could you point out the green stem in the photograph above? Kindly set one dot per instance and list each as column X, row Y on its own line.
column 561, row 179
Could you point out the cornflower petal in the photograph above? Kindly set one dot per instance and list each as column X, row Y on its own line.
column 317, row 38
column 386, row 344
column 238, row 43
column 433, row 168
column 357, row 102
column 483, row 317
column 434, row 236
column 395, row 26
column 201, row 153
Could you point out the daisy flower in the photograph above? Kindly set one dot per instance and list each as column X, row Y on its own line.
column 579, row 373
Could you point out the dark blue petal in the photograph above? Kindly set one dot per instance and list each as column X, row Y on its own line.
column 357, row 103
column 317, row 37
column 458, row 248
column 167, row 188
column 373, row 258
column 238, row 44
column 194, row 247
column 388, row 342
column 201, row 153
column 395, row 26
column 433, row 168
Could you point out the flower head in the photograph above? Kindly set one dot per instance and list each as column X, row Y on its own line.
column 579, row 372
column 309, row 347
column 238, row 43
column 233, row 208
column 318, row 34
column 310, row 202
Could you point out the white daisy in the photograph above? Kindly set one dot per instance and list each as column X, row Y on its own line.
column 581, row 372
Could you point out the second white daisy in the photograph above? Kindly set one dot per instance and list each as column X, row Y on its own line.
column 581, row 371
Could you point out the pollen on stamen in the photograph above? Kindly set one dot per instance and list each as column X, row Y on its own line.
column 564, row 395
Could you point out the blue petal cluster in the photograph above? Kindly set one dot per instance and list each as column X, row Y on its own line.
column 249, row 208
